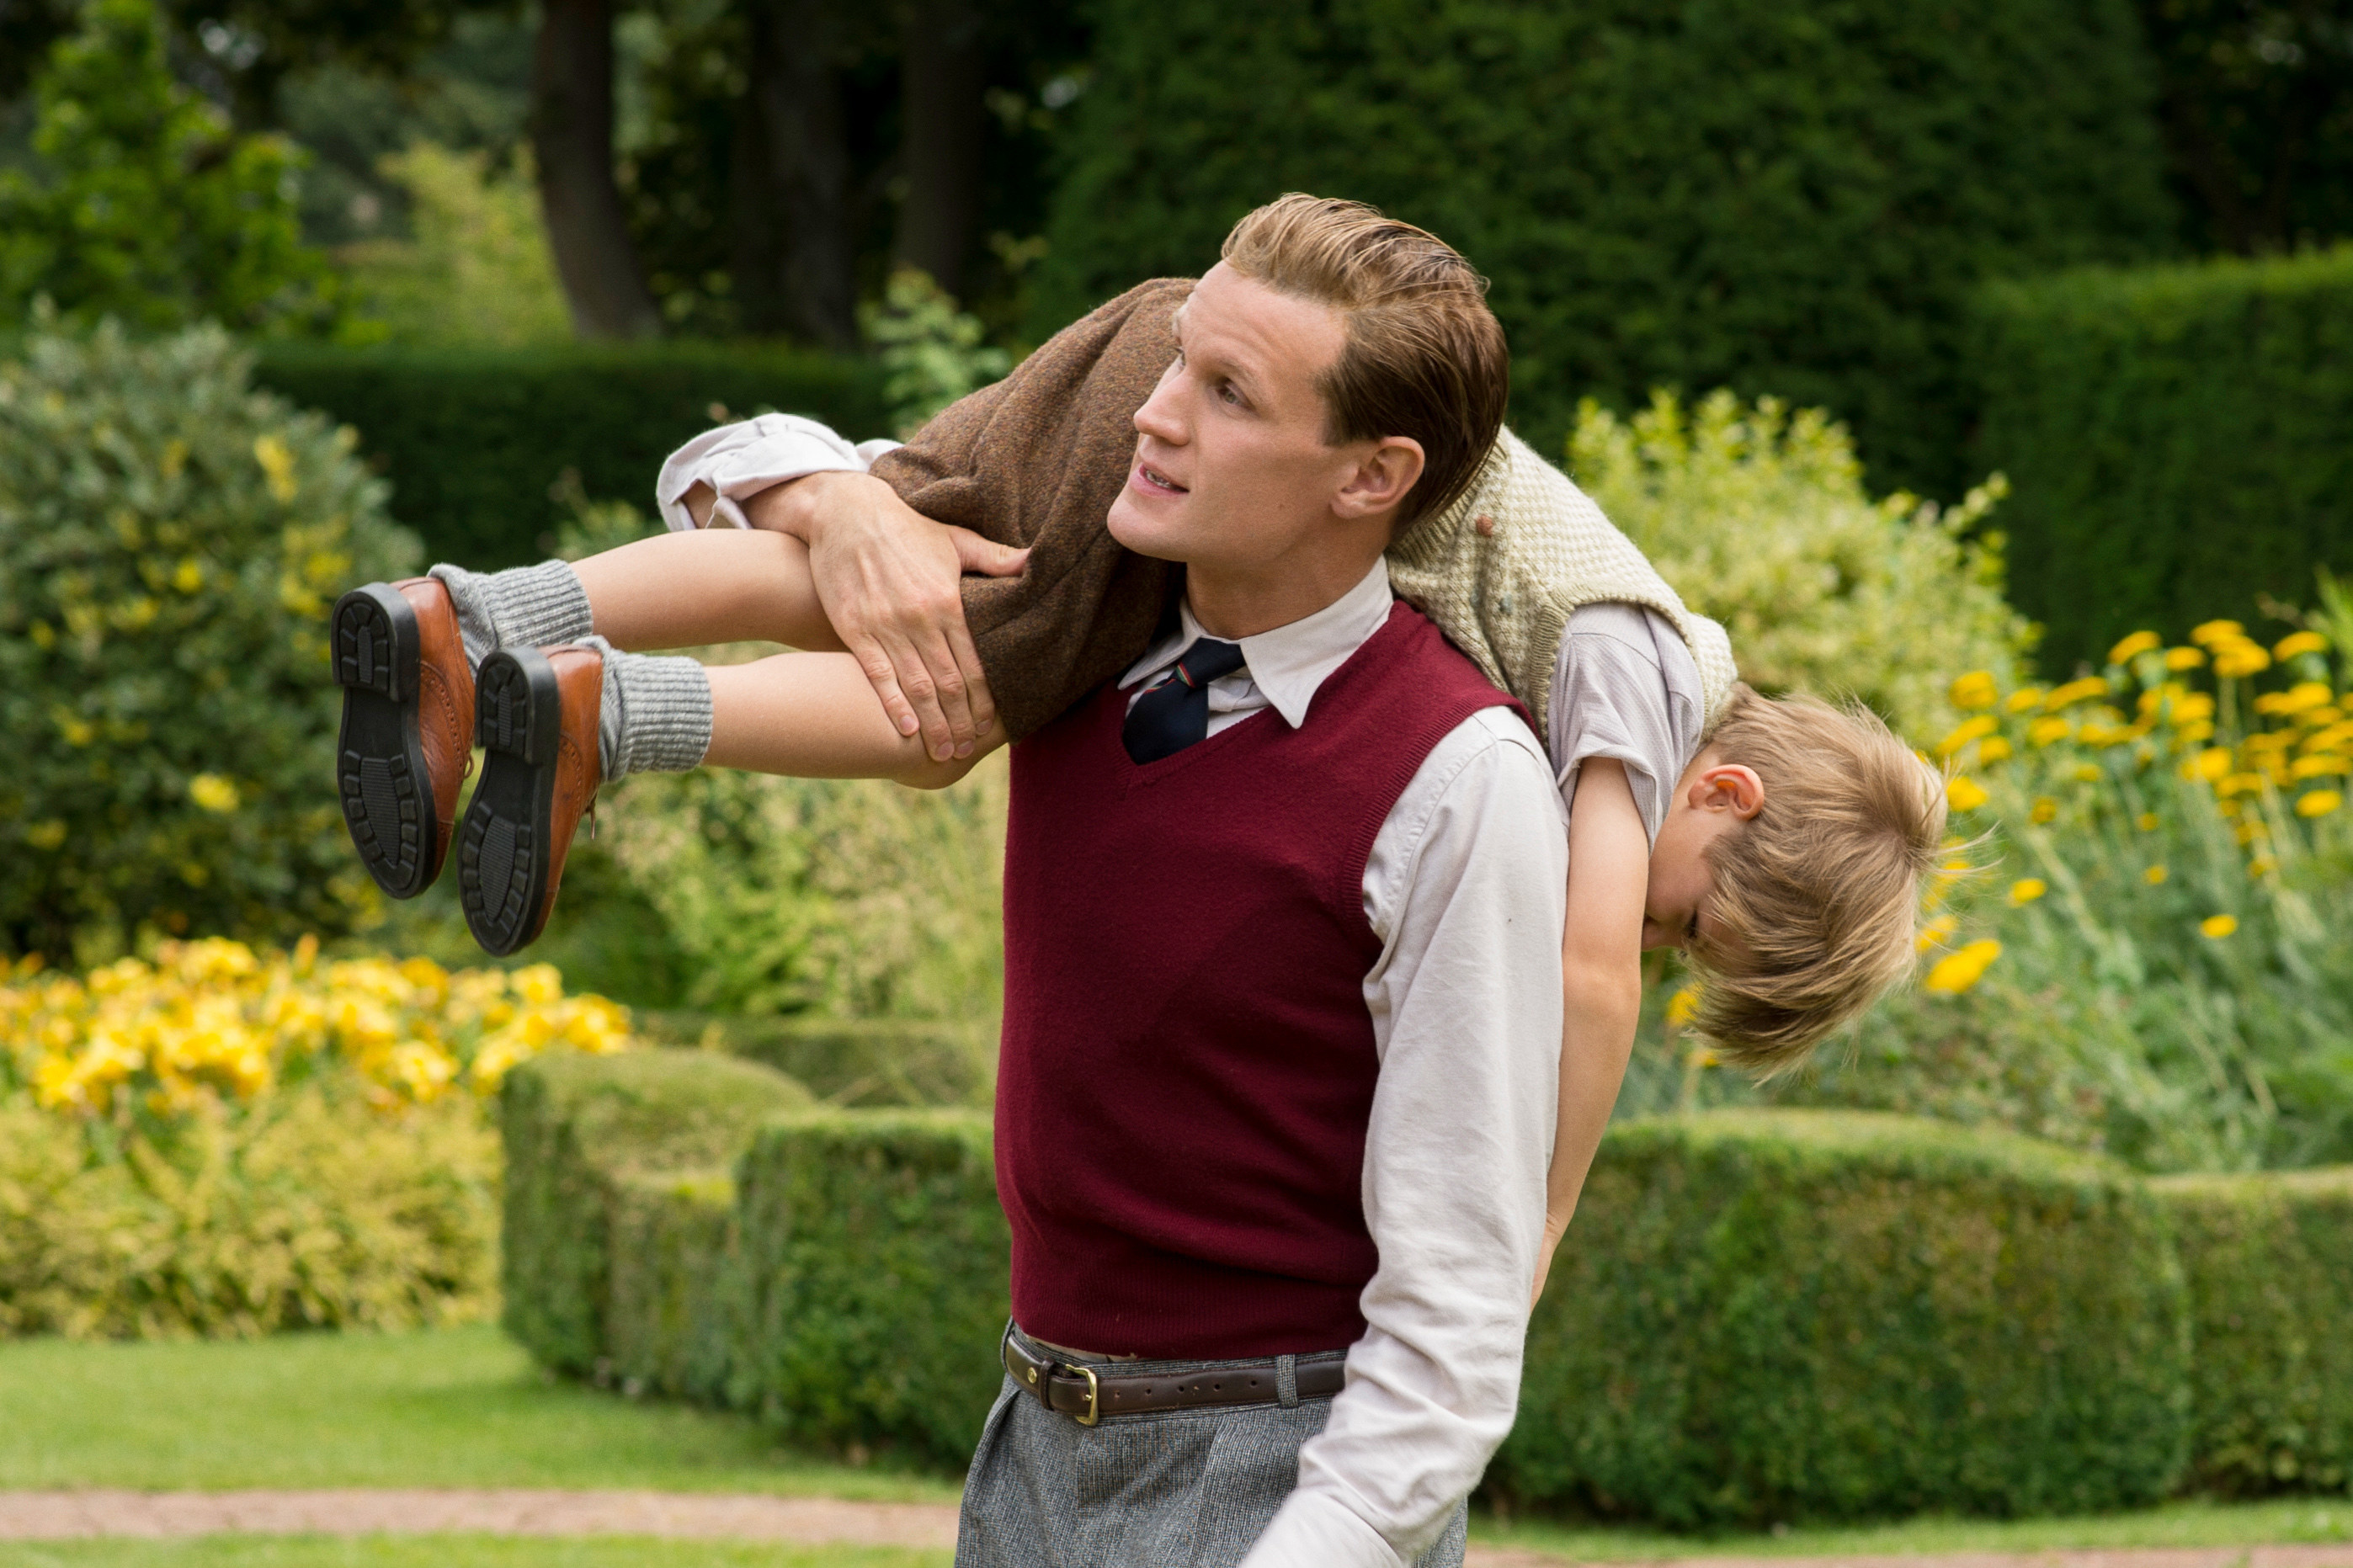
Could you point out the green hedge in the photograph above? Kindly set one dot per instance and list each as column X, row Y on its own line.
column 574, row 1128
column 878, row 1261
column 473, row 439
column 2270, row 1264
column 851, row 1061
column 1770, row 1316
column 2176, row 440
column 1786, row 196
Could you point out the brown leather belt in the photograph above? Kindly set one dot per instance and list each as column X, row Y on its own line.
column 1089, row 1394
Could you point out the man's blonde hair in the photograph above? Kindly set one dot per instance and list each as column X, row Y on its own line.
column 1816, row 898
column 1425, row 357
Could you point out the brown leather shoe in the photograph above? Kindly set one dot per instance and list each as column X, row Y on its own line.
column 536, row 716
column 409, row 727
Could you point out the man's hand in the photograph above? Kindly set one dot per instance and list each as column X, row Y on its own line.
column 887, row 577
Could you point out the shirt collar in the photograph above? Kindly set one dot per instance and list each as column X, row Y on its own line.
column 1290, row 663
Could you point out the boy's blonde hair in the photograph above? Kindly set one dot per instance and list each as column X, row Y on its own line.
column 1818, row 896
column 1425, row 357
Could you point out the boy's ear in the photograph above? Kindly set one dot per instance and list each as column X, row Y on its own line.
column 1382, row 478
column 1728, row 786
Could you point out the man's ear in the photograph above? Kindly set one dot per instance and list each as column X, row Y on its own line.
column 1382, row 478
column 1728, row 786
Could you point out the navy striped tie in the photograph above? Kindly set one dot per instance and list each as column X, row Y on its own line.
column 1174, row 713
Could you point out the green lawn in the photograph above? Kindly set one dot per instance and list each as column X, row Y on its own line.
column 449, row 1551
column 461, row 1407
column 464, row 1408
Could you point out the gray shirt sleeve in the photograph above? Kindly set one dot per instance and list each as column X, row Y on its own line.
column 1624, row 685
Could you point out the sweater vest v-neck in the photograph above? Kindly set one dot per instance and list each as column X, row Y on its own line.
column 1188, row 1064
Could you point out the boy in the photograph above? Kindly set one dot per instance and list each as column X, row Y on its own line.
column 1783, row 854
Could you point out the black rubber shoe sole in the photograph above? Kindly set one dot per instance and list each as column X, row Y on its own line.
column 379, row 760
column 504, row 847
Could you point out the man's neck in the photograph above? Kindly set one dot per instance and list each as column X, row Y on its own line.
column 1233, row 605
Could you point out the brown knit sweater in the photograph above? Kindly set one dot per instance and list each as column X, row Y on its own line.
column 1036, row 460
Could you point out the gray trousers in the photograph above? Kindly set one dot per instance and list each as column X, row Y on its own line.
column 1173, row 1488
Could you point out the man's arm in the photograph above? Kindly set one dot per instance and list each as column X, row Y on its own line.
column 1601, row 980
column 1467, row 889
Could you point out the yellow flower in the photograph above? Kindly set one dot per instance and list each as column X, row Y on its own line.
column 2217, row 926
column 2216, row 631
column 2210, row 764
column 2146, row 822
column 1681, row 1007
column 1975, row 690
column 2295, row 642
column 1993, row 749
column 1975, row 729
column 45, row 835
column 1957, row 971
column 2319, row 803
column 2196, row 732
column 2235, row 660
column 2026, row 890
column 2044, row 810
column 2316, row 765
column 2239, row 784
column 2178, row 659
column 2024, row 698
column 276, row 466
column 1966, row 794
column 213, row 793
column 2075, row 691
column 2304, row 697
column 2188, row 710
column 176, row 458
column 2133, row 647
column 2262, row 866
column 2088, row 773
column 2043, row 732
column 189, row 576
column 1936, row 933
column 2154, row 876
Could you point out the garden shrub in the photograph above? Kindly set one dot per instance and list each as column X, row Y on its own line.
column 1759, row 518
column 876, row 1263
column 1768, row 1316
column 477, row 441
column 2177, row 437
column 2266, row 1258
column 669, row 1327
column 2153, row 963
column 316, row 1210
column 171, row 544
column 1794, row 198
column 854, row 1061
column 574, row 1128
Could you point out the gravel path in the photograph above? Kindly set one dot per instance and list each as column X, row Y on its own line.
column 817, row 1522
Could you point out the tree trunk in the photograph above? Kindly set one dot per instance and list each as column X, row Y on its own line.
column 807, row 282
column 572, row 140
column 942, row 74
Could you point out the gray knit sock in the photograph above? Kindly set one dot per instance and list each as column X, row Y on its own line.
column 530, row 607
column 655, row 713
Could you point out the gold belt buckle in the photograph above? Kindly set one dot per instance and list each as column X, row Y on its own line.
column 1094, row 1393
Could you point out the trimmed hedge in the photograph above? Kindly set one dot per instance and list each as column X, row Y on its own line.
column 2270, row 1263
column 1765, row 1316
column 473, row 439
column 878, row 1260
column 2178, row 441
column 1786, row 196
column 853, row 1062
column 575, row 1128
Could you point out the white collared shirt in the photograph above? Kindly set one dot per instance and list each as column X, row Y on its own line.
column 1466, row 886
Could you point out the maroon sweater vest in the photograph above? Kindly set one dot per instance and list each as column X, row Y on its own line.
column 1187, row 1065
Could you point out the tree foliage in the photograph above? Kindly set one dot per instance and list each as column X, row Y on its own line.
column 147, row 206
column 1783, row 198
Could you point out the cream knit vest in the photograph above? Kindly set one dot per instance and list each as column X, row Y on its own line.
column 1503, row 569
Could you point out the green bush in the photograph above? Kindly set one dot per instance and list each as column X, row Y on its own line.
column 575, row 1127
column 2176, row 440
column 853, row 1062
column 876, row 1258
column 1793, row 198
column 1760, row 520
column 144, row 204
column 669, row 1328
column 477, row 441
column 1776, row 1316
column 2267, row 1258
column 312, row 1210
column 170, row 545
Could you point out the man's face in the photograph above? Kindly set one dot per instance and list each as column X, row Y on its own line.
column 1231, row 471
